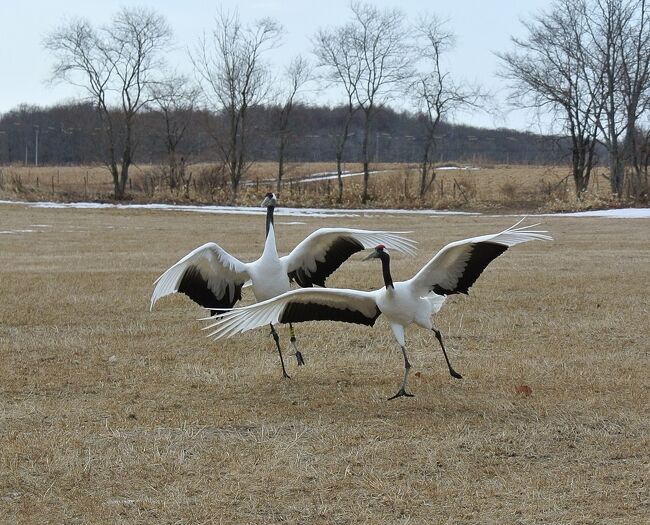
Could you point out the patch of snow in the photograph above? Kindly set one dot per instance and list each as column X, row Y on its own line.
column 330, row 175
column 460, row 168
column 237, row 210
column 17, row 231
column 622, row 213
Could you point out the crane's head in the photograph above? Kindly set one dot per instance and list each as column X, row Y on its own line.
column 269, row 200
column 379, row 250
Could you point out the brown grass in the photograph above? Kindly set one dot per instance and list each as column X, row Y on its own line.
column 112, row 414
column 514, row 188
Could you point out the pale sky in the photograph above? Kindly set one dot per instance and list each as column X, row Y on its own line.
column 481, row 28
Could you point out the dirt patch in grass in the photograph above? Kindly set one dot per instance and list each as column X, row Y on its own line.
column 110, row 413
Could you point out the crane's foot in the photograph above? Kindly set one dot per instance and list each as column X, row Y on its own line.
column 299, row 358
column 401, row 393
column 285, row 375
column 455, row 374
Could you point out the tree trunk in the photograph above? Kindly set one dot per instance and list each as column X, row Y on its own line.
column 425, row 184
column 117, row 194
column 364, row 152
column 339, row 176
column 339, row 153
column 616, row 172
column 124, row 177
column 280, row 162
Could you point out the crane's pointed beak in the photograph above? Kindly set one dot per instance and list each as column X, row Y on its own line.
column 269, row 200
column 372, row 255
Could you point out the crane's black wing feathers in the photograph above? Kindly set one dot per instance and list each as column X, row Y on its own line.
column 339, row 252
column 195, row 286
column 483, row 253
column 296, row 312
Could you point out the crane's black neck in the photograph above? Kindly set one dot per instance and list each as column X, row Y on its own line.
column 269, row 218
column 385, row 268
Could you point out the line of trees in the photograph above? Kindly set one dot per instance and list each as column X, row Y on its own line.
column 586, row 62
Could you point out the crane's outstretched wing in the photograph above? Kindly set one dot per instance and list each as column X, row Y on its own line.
column 318, row 304
column 209, row 275
column 323, row 251
column 457, row 266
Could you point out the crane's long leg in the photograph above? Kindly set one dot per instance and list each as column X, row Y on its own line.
column 451, row 370
column 276, row 338
column 407, row 368
column 297, row 353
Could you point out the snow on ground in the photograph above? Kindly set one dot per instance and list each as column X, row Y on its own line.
column 623, row 213
column 331, row 175
column 16, row 231
column 237, row 210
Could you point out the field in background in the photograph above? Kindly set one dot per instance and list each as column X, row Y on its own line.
column 524, row 188
column 112, row 414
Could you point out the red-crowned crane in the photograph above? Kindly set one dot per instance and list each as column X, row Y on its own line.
column 452, row 270
column 213, row 278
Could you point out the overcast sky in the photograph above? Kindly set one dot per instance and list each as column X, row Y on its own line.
column 481, row 28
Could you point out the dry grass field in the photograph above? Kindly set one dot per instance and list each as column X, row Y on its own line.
column 110, row 413
column 486, row 188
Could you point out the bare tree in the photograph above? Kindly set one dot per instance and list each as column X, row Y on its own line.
column 336, row 54
column 436, row 94
column 384, row 60
column 297, row 74
column 234, row 78
column 636, row 93
column 605, row 21
column 116, row 65
column 176, row 99
column 549, row 69
column 620, row 54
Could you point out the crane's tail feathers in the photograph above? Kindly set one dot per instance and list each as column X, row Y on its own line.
column 229, row 322
column 436, row 301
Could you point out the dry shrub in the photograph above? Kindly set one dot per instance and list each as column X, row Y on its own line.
column 467, row 188
column 509, row 190
column 16, row 184
column 553, row 190
column 209, row 179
